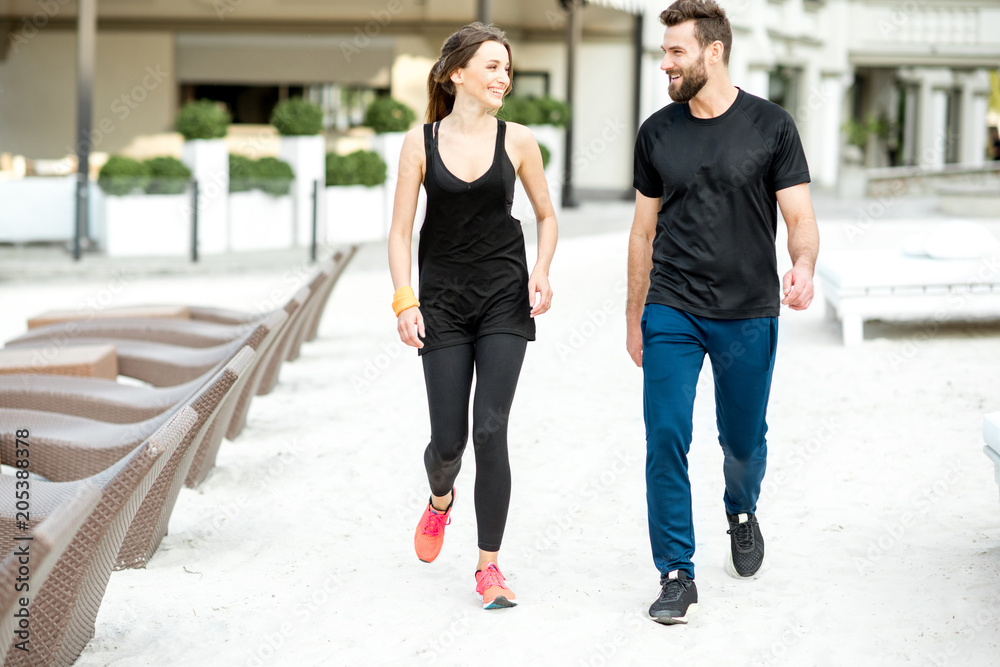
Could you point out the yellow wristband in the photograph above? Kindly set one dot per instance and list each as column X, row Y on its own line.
column 403, row 299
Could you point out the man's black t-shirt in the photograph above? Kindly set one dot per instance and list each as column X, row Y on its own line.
column 713, row 253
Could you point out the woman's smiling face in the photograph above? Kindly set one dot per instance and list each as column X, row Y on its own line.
column 486, row 77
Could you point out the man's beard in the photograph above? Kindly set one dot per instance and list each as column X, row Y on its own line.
column 693, row 79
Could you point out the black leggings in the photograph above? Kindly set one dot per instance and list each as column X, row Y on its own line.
column 497, row 360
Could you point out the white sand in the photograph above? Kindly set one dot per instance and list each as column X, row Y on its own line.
column 879, row 509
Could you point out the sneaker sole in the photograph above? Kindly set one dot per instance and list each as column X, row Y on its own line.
column 676, row 620
column 500, row 603
column 731, row 569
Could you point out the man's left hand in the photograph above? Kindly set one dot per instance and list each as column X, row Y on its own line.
column 797, row 288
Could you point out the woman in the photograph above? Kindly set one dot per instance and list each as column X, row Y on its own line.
column 477, row 301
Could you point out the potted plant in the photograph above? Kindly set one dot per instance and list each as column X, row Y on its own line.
column 355, row 197
column 133, row 222
column 204, row 124
column 167, row 176
column 546, row 117
column 260, row 207
column 299, row 122
column 390, row 119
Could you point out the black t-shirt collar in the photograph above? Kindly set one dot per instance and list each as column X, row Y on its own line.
column 717, row 119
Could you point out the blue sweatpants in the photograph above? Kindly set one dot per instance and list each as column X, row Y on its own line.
column 674, row 345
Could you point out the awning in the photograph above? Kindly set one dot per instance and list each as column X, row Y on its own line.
column 269, row 59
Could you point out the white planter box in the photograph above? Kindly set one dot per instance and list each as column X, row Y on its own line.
column 38, row 209
column 307, row 155
column 208, row 160
column 355, row 214
column 259, row 221
column 388, row 146
column 144, row 225
column 553, row 138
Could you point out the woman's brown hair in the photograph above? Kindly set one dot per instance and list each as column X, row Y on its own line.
column 456, row 52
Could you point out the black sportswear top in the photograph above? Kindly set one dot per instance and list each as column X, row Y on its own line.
column 471, row 257
column 713, row 253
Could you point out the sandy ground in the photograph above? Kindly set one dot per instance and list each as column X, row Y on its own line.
column 879, row 509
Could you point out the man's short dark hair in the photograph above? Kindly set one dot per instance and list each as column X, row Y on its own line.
column 710, row 22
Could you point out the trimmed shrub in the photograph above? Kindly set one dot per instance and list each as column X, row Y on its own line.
column 274, row 176
column 358, row 168
column 546, row 155
column 122, row 175
column 534, row 111
column 385, row 114
column 297, row 117
column 553, row 111
column 168, row 176
column 242, row 171
column 203, row 119
column 521, row 110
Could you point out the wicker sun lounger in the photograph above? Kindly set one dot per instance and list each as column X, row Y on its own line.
column 340, row 261
column 88, row 454
column 64, row 611
column 45, row 546
column 150, row 523
column 125, row 403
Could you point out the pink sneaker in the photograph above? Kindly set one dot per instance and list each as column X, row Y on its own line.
column 490, row 584
column 429, row 538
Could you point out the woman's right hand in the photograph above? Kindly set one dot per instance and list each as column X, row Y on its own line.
column 410, row 325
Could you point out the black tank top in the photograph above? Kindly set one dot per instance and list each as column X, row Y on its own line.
column 471, row 259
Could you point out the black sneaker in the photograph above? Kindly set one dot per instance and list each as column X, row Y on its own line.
column 677, row 597
column 746, row 545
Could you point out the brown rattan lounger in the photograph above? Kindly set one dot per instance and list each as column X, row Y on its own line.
column 45, row 545
column 64, row 611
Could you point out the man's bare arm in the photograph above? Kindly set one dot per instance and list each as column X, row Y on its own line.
column 640, row 263
column 803, row 245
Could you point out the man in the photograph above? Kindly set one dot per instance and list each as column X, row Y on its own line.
column 709, row 172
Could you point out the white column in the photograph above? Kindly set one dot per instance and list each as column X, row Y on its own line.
column 935, row 157
column 756, row 82
column 910, row 126
column 975, row 88
column 825, row 114
column 925, row 121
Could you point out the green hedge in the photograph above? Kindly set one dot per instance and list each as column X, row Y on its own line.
column 267, row 174
column 274, row 176
column 357, row 168
column 122, row 175
column 534, row 111
column 168, row 176
column 203, row 119
column 385, row 114
column 241, row 173
column 546, row 155
column 297, row 117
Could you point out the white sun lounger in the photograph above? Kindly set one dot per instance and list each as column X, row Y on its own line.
column 991, row 434
column 861, row 285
